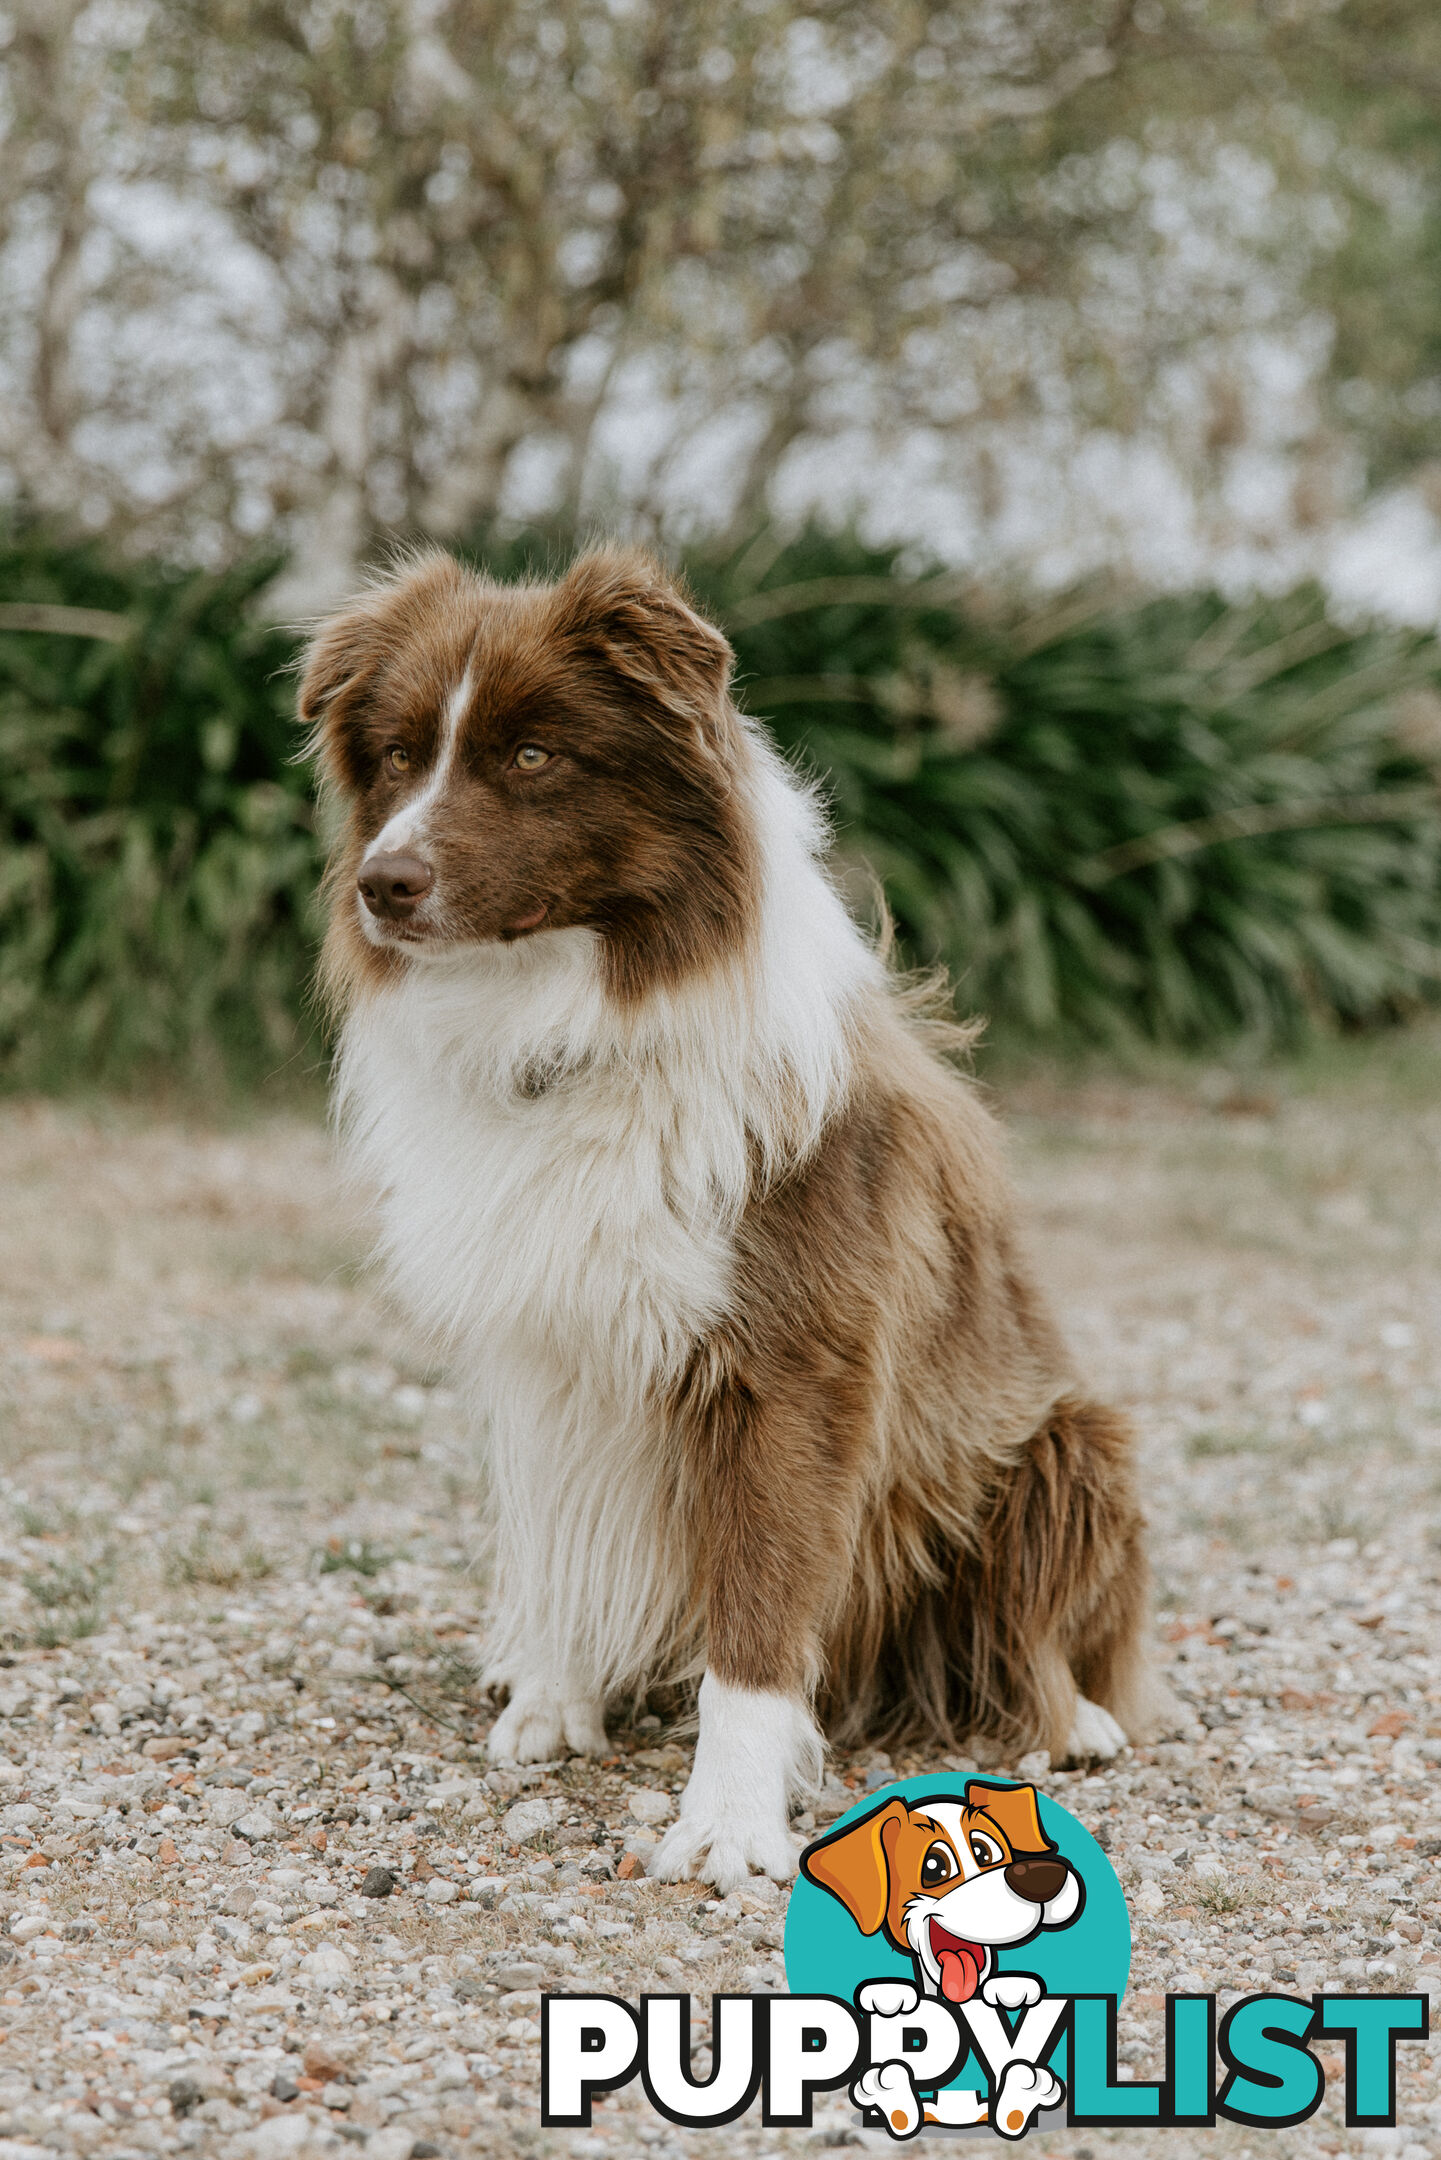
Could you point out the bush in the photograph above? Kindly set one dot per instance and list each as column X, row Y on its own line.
column 158, row 853
column 1177, row 819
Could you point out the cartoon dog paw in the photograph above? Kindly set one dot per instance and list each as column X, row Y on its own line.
column 887, row 1998
column 1025, row 2089
column 1011, row 1991
column 888, row 2088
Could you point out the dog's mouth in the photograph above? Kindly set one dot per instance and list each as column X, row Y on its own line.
column 524, row 924
column 961, row 1963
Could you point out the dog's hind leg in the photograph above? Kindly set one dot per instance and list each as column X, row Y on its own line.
column 1055, row 1599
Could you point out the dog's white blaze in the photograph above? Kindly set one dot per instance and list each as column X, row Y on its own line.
column 559, row 1184
column 408, row 822
column 952, row 1819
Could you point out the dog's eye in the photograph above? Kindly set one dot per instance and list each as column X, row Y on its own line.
column 397, row 759
column 530, row 757
column 985, row 1850
column 937, row 1867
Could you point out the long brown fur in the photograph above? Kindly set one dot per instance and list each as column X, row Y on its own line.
column 899, row 1500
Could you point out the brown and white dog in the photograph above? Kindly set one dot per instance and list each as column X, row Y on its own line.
column 719, row 1242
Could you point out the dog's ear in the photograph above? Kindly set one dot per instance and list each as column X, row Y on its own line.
column 1012, row 1808
column 619, row 604
column 348, row 653
column 339, row 668
column 854, row 1865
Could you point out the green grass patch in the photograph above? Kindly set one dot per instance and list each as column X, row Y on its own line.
column 1215, row 1443
column 356, row 1554
column 218, row 1562
column 70, row 1595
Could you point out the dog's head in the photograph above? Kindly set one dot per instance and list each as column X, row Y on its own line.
column 517, row 759
column 950, row 1880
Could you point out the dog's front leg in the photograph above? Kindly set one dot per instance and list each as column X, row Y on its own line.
column 758, row 1751
column 550, row 1572
column 771, row 1549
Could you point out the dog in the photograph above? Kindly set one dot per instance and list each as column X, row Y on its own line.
column 716, row 1236
column 948, row 1882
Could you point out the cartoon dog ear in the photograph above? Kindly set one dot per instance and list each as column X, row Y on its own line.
column 1012, row 1808
column 854, row 1866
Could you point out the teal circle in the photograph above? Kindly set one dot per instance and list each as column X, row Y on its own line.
column 826, row 1953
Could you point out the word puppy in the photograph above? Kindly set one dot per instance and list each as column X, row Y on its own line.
column 719, row 1243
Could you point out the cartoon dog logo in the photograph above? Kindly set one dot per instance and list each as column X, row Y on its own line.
column 949, row 1882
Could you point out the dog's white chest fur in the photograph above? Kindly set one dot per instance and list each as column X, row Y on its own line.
column 559, row 1186
column 548, row 1207
column 560, row 1220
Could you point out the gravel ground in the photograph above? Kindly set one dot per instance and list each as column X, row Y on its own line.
column 262, row 1894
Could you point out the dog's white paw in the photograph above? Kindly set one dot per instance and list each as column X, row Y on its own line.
column 755, row 1753
column 1095, row 1735
column 1011, row 1991
column 536, row 1726
column 1025, row 2089
column 724, row 1849
column 888, row 2088
column 887, row 1998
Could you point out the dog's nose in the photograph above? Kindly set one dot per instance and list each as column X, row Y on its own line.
column 394, row 885
column 1037, row 1880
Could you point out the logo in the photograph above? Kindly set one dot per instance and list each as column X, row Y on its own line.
column 961, row 1917
column 956, row 1949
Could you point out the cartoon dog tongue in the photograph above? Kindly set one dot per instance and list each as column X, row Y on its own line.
column 960, row 1964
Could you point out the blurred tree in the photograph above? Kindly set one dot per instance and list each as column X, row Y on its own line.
column 45, row 174
column 484, row 215
column 400, row 263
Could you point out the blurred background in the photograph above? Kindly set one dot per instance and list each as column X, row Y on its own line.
column 1046, row 394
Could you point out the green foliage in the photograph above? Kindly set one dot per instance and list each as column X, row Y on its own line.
column 70, row 1594
column 158, row 854
column 220, row 1563
column 357, row 1554
column 1177, row 819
